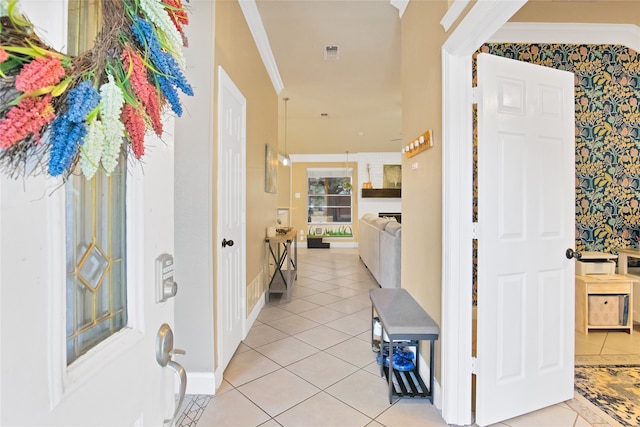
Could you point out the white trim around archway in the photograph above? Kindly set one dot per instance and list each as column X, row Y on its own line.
column 480, row 25
column 568, row 33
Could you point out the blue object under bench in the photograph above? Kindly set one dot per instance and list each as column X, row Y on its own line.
column 403, row 319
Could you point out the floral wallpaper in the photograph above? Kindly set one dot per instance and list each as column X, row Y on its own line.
column 607, row 94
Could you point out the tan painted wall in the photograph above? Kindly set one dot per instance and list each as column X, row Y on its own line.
column 605, row 12
column 422, row 37
column 235, row 50
column 299, row 206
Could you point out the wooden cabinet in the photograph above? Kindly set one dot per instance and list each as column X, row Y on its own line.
column 604, row 285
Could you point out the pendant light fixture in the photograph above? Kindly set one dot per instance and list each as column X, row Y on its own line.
column 285, row 160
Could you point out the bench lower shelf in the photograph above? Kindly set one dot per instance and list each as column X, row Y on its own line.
column 408, row 384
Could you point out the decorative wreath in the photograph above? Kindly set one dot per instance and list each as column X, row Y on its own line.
column 57, row 111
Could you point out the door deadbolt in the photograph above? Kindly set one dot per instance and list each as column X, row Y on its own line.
column 166, row 287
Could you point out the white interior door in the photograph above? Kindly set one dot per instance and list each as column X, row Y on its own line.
column 526, row 202
column 231, row 216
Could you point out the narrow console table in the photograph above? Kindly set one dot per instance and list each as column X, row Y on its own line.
column 403, row 319
column 282, row 249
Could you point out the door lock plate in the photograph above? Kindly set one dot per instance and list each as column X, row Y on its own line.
column 166, row 287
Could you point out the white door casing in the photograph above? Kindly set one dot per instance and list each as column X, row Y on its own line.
column 457, row 161
column 119, row 381
column 231, row 217
column 457, row 168
column 525, row 357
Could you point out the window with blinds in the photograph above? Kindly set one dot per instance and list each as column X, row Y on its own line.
column 329, row 198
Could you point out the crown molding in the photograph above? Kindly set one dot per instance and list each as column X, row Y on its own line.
column 453, row 13
column 483, row 20
column 568, row 33
column 254, row 22
column 401, row 5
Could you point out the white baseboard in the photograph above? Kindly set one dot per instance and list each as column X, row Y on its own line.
column 437, row 395
column 253, row 315
column 200, row 383
column 205, row 382
column 437, row 390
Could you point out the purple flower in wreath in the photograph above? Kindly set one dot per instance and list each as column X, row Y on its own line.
column 66, row 137
column 69, row 129
column 81, row 100
column 169, row 93
column 168, row 74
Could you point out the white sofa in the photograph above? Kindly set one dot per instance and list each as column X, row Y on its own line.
column 379, row 246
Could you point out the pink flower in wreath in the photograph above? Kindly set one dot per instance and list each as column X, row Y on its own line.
column 176, row 12
column 135, row 127
column 144, row 90
column 152, row 107
column 24, row 119
column 137, row 72
column 39, row 73
column 3, row 55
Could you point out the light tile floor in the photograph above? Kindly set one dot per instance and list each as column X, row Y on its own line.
column 309, row 362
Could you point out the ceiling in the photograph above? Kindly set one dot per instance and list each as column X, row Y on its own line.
column 359, row 92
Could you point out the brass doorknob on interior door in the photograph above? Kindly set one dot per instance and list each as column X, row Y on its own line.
column 226, row 243
column 570, row 253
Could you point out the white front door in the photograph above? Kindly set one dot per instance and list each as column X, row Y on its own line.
column 118, row 382
column 526, row 222
column 232, row 111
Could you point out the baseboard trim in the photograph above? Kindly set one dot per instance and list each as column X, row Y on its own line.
column 251, row 318
column 437, row 390
column 200, row 383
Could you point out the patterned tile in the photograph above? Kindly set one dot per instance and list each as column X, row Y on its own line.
column 192, row 409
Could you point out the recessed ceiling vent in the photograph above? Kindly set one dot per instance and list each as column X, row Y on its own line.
column 331, row 52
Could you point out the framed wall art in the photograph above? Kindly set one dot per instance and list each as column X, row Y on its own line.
column 392, row 176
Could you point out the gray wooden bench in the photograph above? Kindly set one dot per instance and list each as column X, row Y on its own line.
column 403, row 319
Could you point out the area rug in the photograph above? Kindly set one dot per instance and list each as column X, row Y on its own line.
column 613, row 389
